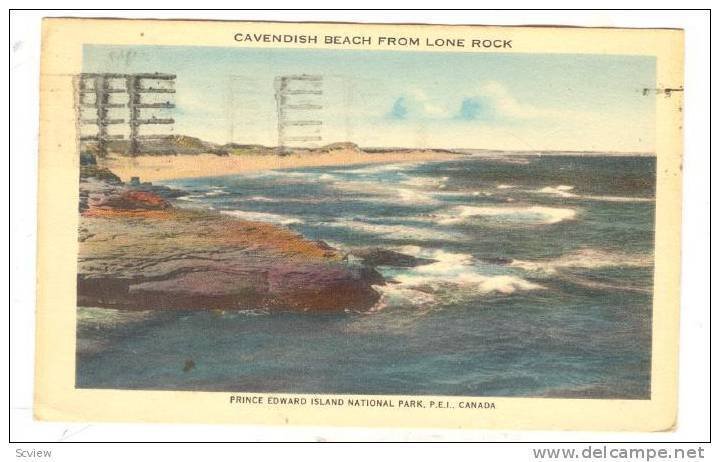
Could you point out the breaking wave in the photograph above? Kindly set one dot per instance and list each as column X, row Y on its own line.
column 529, row 215
column 191, row 198
column 397, row 296
column 263, row 217
column 618, row 199
column 378, row 168
column 290, row 177
column 390, row 193
column 285, row 200
column 426, row 182
column 451, row 277
column 584, row 259
column 216, row 192
column 565, row 191
column 398, row 232
column 559, row 190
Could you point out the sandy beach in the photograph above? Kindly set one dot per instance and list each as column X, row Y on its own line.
column 167, row 167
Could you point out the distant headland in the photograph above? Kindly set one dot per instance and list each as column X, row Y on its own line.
column 181, row 156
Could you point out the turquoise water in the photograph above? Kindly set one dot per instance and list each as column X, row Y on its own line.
column 541, row 286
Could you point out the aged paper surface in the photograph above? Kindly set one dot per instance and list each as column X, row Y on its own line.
column 369, row 225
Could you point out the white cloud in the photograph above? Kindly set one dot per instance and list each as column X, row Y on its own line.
column 493, row 96
column 432, row 107
column 507, row 106
column 416, row 103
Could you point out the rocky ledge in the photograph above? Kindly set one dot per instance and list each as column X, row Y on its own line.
column 139, row 252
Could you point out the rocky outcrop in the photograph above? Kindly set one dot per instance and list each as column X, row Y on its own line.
column 138, row 252
column 98, row 173
column 374, row 256
column 100, row 187
column 134, row 200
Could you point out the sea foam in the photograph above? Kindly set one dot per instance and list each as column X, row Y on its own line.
column 530, row 214
column 400, row 232
column 456, row 275
column 385, row 192
column 586, row 259
column 263, row 217
column 559, row 190
column 564, row 191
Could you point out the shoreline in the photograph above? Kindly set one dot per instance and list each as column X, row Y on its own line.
column 172, row 167
column 138, row 252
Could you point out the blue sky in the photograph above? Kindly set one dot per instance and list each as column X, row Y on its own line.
column 409, row 99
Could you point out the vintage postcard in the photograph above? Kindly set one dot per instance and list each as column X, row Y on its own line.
column 367, row 225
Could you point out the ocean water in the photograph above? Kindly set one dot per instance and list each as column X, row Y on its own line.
column 541, row 286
